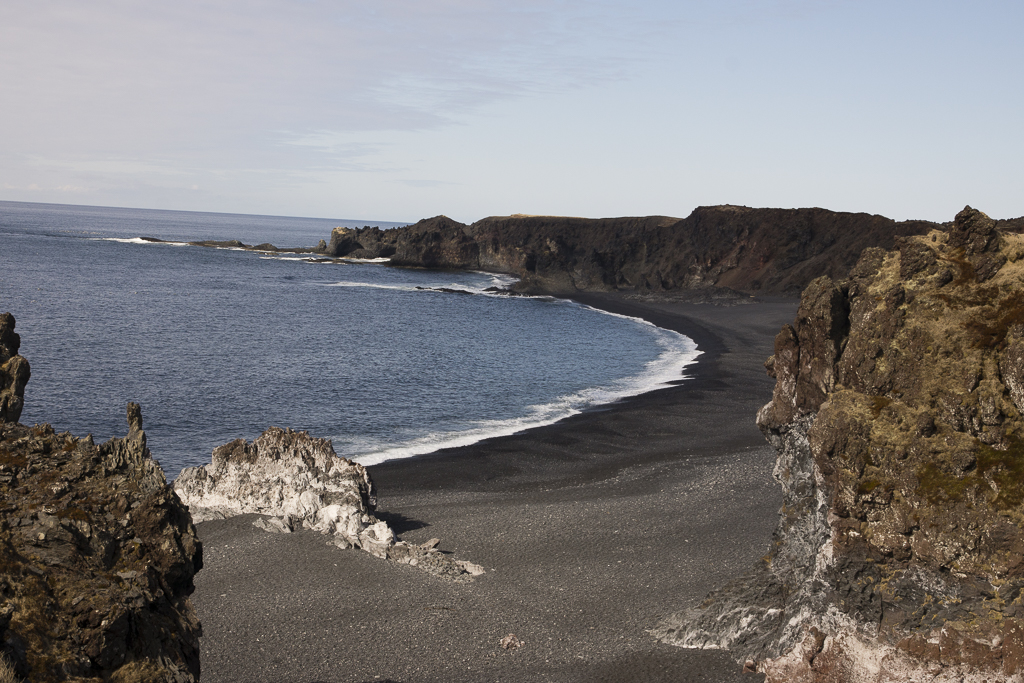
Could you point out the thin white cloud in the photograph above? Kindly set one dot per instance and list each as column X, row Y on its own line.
column 467, row 106
column 184, row 68
column 427, row 183
column 107, row 165
column 111, row 89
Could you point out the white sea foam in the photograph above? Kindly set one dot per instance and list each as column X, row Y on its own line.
column 453, row 286
column 166, row 243
column 499, row 279
column 372, row 285
column 316, row 258
column 138, row 240
column 678, row 351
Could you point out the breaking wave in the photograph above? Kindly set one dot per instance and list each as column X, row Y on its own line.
column 678, row 352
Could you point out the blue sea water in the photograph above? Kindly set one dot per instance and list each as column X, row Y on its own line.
column 218, row 344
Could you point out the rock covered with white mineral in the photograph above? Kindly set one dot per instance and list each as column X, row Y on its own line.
column 299, row 482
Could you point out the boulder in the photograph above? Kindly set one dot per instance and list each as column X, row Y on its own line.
column 301, row 483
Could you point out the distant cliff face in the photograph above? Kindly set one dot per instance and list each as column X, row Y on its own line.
column 771, row 251
column 897, row 417
column 774, row 251
column 97, row 558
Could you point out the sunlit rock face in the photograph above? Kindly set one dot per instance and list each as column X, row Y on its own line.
column 299, row 482
column 897, row 419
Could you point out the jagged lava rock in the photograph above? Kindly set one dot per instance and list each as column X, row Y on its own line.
column 285, row 474
column 300, row 482
column 897, row 417
column 14, row 371
column 361, row 242
column 97, row 559
column 437, row 242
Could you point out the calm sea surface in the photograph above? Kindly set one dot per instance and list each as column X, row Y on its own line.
column 218, row 344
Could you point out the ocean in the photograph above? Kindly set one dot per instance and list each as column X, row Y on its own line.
column 217, row 344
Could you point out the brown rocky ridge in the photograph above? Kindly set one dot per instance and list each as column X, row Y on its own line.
column 97, row 553
column 766, row 251
column 897, row 417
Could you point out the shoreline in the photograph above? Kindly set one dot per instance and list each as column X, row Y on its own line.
column 591, row 530
column 661, row 382
column 702, row 374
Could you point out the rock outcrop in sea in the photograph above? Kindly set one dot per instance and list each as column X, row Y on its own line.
column 898, row 419
column 97, row 554
column 14, row 371
column 298, row 482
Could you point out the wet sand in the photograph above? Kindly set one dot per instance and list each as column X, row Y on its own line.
column 591, row 530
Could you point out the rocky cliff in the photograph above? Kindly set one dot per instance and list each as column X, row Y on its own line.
column 897, row 417
column 770, row 251
column 97, row 555
column 437, row 242
column 299, row 482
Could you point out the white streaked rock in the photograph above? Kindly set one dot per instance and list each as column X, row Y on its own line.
column 300, row 482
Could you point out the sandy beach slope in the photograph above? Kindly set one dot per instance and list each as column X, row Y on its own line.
column 590, row 529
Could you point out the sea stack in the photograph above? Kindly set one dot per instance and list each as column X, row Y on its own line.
column 898, row 419
column 14, row 371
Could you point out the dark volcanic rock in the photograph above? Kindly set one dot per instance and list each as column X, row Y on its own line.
column 436, row 242
column 220, row 244
column 14, row 371
column 361, row 243
column 974, row 232
column 768, row 251
column 97, row 557
column 897, row 420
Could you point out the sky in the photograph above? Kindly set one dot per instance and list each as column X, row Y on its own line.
column 396, row 110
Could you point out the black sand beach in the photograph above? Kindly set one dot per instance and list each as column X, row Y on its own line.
column 591, row 530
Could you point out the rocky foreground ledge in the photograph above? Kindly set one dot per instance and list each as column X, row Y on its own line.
column 898, row 419
column 298, row 482
column 97, row 554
